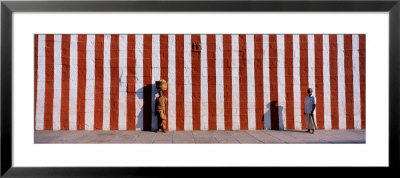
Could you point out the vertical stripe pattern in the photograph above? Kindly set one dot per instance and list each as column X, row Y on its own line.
column 65, row 77
column 139, row 97
column 303, row 40
column 187, row 82
column 215, row 82
column 250, row 82
column 49, row 82
column 35, row 70
column 81, row 87
column 281, row 82
column 196, row 81
column 219, row 79
column 40, row 91
column 106, row 83
column 243, row 112
column 258, row 81
column 333, row 69
column 273, row 82
column 147, row 83
column 130, row 83
column 73, row 83
column 362, row 67
column 297, row 100
column 266, row 83
column 155, row 76
column 57, row 83
column 319, row 81
column 326, row 82
column 348, row 71
column 227, row 67
column 289, row 81
column 164, row 62
column 122, row 102
column 171, row 83
column 211, row 47
column 179, row 82
column 356, row 82
column 341, row 82
column 114, row 82
column 90, row 82
column 203, row 84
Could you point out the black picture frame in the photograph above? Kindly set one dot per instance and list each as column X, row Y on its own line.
column 8, row 7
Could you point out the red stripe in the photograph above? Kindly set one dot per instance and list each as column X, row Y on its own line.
column 35, row 77
column 243, row 83
column 114, row 83
column 131, row 79
column 196, row 64
column 273, row 79
column 99, row 82
column 227, row 53
column 348, row 69
column 303, row 75
column 289, row 81
column 179, row 71
column 334, row 83
column 65, row 54
column 258, row 80
column 212, row 105
column 319, row 80
column 80, row 112
column 147, row 81
column 164, row 63
column 362, row 77
column 49, row 89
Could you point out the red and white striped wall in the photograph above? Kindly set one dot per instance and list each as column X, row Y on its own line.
column 235, row 82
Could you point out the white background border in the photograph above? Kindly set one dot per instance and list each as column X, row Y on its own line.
column 373, row 153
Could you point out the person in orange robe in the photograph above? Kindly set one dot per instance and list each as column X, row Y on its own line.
column 161, row 109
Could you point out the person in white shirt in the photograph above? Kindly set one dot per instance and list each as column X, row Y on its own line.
column 309, row 111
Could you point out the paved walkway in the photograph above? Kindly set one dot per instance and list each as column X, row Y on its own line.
column 202, row 137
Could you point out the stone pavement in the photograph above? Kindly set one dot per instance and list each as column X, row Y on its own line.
column 202, row 137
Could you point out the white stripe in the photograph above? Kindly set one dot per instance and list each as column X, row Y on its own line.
column 327, row 83
column 281, row 82
column 341, row 83
column 73, row 82
column 311, row 69
column 139, row 81
column 188, row 123
column 204, row 84
column 251, row 98
column 106, row 84
column 41, row 81
column 171, row 84
column 219, row 72
column 155, row 77
column 296, row 83
column 57, row 82
column 123, row 72
column 311, row 63
column 356, row 84
column 90, row 77
column 235, row 83
column 266, row 83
